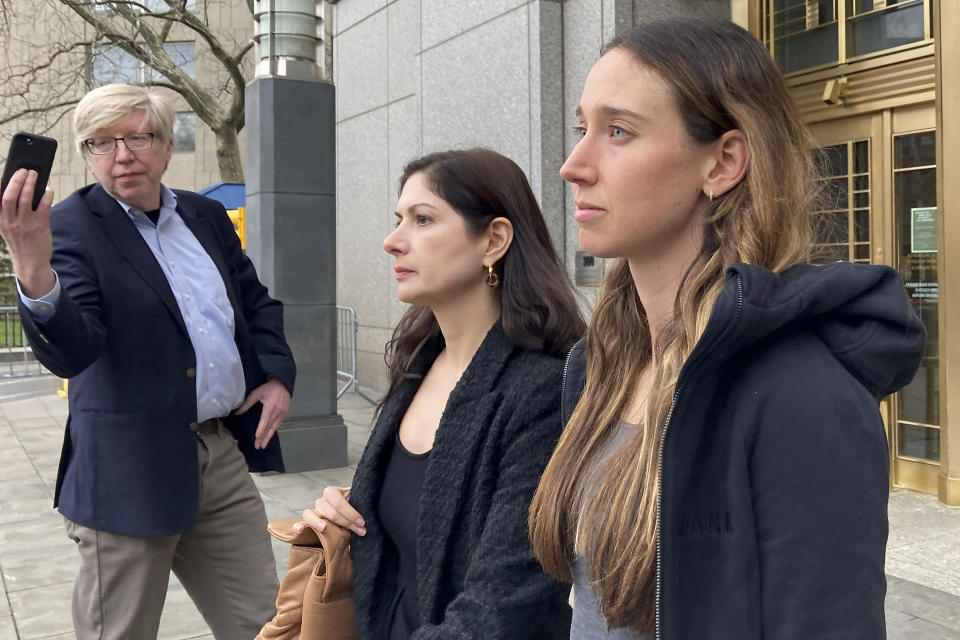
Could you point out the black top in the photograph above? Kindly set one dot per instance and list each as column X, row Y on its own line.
column 476, row 576
column 402, row 485
column 153, row 215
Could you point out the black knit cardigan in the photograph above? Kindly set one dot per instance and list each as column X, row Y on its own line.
column 476, row 575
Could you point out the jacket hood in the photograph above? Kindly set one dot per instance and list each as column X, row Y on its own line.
column 861, row 312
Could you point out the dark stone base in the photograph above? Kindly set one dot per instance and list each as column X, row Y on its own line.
column 318, row 442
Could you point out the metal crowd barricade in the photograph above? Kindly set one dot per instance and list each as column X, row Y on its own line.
column 17, row 359
column 16, row 356
column 347, row 328
column 346, row 349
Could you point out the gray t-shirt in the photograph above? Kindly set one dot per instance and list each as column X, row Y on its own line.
column 589, row 622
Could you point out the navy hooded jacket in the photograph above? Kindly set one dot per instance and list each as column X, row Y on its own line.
column 775, row 465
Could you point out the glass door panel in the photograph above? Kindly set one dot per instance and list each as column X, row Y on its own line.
column 843, row 218
column 915, row 215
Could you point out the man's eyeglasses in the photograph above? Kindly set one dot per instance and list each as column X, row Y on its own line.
column 105, row 146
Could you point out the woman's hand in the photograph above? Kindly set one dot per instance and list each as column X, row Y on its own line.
column 333, row 507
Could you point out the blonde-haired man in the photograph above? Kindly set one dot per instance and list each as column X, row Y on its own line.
column 178, row 370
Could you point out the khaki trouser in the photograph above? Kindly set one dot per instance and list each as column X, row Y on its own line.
column 225, row 561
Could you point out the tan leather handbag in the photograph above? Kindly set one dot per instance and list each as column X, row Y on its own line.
column 315, row 601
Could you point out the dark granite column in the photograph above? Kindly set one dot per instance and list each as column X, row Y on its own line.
column 291, row 237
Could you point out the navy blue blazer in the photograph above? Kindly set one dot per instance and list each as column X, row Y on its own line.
column 129, row 460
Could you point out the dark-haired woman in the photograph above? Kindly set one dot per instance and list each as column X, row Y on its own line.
column 724, row 473
column 439, row 499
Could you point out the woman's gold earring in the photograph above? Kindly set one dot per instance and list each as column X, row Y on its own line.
column 492, row 279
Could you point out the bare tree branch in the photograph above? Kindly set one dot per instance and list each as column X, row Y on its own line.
column 19, row 80
column 143, row 39
column 40, row 90
column 43, row 109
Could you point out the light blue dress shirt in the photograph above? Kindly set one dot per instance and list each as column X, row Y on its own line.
column 202, row 298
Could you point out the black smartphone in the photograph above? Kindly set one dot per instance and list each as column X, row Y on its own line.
column 30, row 151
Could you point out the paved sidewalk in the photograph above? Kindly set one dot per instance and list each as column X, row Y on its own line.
column 38, row 562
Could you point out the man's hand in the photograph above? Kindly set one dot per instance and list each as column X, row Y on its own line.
column 276, row 401
column 27, row 233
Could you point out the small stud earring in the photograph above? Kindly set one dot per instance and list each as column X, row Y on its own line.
column 492, row 279
column 710, row 196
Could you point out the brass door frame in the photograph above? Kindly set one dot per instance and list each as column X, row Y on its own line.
column 862, row 127
column 911, row 472
column 880, row 127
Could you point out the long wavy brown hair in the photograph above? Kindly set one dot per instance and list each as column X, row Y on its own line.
column 722, row 79
column 538, row 310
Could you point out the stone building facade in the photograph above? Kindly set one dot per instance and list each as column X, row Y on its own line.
column 415, row 76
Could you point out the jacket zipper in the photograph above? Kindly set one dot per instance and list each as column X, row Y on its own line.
column 563, row 387
column 663, row 441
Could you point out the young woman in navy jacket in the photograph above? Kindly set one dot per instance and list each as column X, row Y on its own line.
column 724, row 472
column 439, row 500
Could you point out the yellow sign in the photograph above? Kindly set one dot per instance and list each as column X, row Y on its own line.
column 239, row 219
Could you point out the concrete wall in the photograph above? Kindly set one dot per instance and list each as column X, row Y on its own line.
column 415, row 76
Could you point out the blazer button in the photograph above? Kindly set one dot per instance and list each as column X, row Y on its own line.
column 194, row 426
column 191, row 373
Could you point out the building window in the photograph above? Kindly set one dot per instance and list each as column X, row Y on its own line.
column 183, row 55
column 139, row 6
column 876, row 26
column 185, row 132
column 112, row 64
column 804, row 34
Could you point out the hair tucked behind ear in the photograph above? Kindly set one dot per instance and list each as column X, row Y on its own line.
column 722, row 79
column 537, row 306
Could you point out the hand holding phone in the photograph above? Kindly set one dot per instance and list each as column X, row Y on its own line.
column 25, row 232
column 32, row 152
